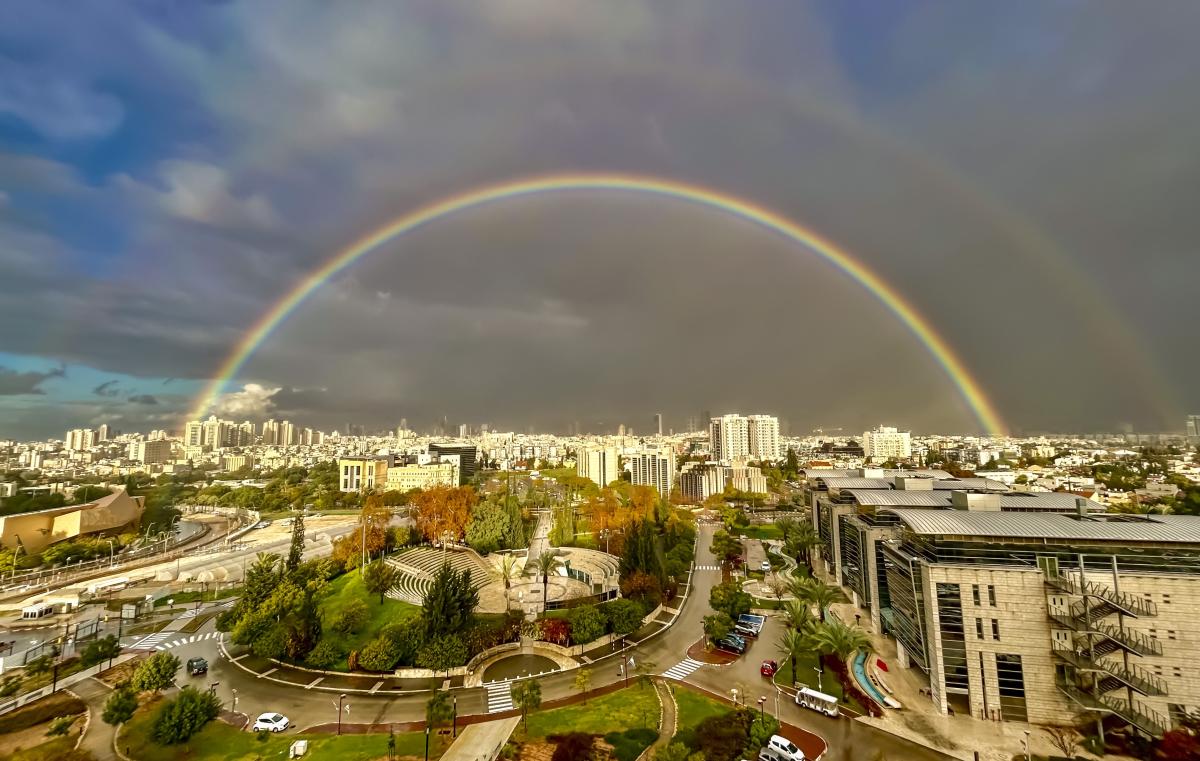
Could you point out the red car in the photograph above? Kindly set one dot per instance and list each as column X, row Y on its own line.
column 768, row 668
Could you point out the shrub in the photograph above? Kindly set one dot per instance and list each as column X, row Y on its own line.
column 554, row 630
column 575, row 746
column 120, row 706
column 352, row 617
column 60, row 726
column 327, row 652
column 624, row 616
column 443, row 653
column 184, row 716
column 587, row 624
column 10, row 685
column 723, row 737
column 380, row 654
column 628, row 745
column 58, row 704
column 643, row 587
column 101, row 650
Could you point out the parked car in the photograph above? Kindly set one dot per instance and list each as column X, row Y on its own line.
column 197, row 666
column 765, row 566
column 782, row 749
column 732, row 643
column 274, row 722
column 768, row 668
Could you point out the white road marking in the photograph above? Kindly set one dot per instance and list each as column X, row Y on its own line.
column 683, row 669
column 499, row 697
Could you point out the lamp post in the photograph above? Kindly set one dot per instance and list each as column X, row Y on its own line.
column 426, row 742
column 111, row 559
column 235, row 699
column 339, row 707
column 1025, row 742
column 762, row 711
column 456, row 716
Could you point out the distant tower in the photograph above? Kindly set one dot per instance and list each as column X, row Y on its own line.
column 658, row 422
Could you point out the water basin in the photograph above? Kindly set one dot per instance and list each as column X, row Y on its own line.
column 864, row 682
column 517, row 666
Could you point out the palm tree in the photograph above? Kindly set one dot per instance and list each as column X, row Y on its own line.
column 836, row 638
column 793, row 645
column 801, row 542
column 546, row 563
column 508, row 569
column 818, row 593
column 787, row 526
column 799, row 615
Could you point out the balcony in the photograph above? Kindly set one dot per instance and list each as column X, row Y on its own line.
column 1113, row 676
column 1108, row 599
column 1140, row 716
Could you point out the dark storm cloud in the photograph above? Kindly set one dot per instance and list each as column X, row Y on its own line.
column 14, row 383
column 107, row 388
column 1021, row 173
column 146, row 399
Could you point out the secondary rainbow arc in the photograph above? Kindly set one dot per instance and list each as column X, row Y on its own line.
column 968, row 387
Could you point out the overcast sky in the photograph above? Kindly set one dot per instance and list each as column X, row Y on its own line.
column 1026, row 174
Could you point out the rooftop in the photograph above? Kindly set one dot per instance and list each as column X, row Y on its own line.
column 1173, row 529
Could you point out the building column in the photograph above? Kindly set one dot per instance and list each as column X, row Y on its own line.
column 902, row 660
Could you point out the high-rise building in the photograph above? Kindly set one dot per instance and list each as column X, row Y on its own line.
column 79, row 438
column 270, row 432
column 288, row 435
column 653, row 467
column 886, row 443
column 763, row 434
column 151, row 452
column 193, row 434
column 658, row 422
column 598, row 464
column 102, row 432
column 1193, row 429
column 467, row 454
column 729, row 438
column 700, row 480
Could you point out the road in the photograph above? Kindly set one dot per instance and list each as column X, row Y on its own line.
column 307, row 707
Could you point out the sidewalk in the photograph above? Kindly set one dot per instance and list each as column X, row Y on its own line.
column 98, row 739
column 481, row 742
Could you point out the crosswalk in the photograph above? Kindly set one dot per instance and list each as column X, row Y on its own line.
column 683, row 669
column 708, row 568
column 158, row 641
column 499, row 696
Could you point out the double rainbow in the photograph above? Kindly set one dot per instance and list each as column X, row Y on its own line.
column 970, row 389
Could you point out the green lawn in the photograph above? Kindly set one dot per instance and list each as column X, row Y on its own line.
column 807, row 668
column 57, row 749
column 631, row 708
column 761, row 531
column 349, row 586
column 221, row 742
column 695, row 707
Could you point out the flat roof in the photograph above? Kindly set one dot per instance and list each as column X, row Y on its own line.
column 900, row 498
column 1174, row 529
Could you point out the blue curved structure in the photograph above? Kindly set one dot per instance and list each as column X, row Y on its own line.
column 864, row 682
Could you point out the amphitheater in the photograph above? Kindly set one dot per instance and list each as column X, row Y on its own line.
column 579, row 573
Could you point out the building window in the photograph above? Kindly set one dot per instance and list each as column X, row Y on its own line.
column 992, row 595
column 1170, row 634
column 1177, row 713
column 975, row 593
column 979, row 628
column 995, row 629
column 1010, row 678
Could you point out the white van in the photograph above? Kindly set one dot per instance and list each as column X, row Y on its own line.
column 817, row 701
column 782, row 749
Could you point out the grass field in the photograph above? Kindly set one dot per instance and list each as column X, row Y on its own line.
column 695, row 708
column 348, row 587
column 627, row 719
column 807, row 675
column 220, row 742
column 761, row 531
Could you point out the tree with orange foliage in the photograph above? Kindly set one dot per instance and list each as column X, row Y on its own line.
column 372, row 523
column 444, row 509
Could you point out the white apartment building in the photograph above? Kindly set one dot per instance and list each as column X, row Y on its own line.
column 598, row 464
column 193, row 434
column 653, row 467
column 150, row 452
column 763, row 434
column 79, row 438
column 288, row 435
column 887, row 443
column 729, row 437
column 700, row 480
column 270, row 432
column 746, row 478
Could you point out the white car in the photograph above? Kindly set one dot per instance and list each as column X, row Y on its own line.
column 782, row 749
column 272, row 722
column 765, row 566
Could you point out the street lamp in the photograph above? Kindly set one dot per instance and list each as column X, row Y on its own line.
column 1025, row 742
column 339, row 707
column 456, row 716
column 110, row 552
column 762, row 711
column 235, row 699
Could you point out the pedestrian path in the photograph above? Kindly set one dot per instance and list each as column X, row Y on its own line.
column 499, row 696
column 708, row 568
column 185, row 640
column 481, row 742
column 150, row 640
column 683, row 669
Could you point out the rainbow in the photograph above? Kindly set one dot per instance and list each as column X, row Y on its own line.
column 970, row 389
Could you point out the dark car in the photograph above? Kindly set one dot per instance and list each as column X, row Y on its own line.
column 197, row 666
column 732, row 643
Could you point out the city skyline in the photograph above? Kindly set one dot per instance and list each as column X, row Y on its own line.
column 158, row 202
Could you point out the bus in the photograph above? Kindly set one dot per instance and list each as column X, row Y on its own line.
column 817, row 701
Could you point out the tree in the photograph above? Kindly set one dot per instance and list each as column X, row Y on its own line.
column 100, row 650
column 726, row 547
column 526, row 696
column 444, row 510
column 449, row 603
column 1065, row 739
column 184, row 716
column 121, row 705
column 296, row 551
column 717, row 625
column 489, row 527
column 794, row 645
column 836, row 638
column 799, row 615
column 508, row 569
column 645, row 670
column 803, row 540
column 442, row 653
column 583, row 680
column 722, row 737
column 60, row 727
column 587, row 624
column 156, row 673
column 817, row 593
column 729, row 598
column 677, row 751
column 787, row 526
column 438, row 709
column 378, row 577
column 624, row 616
column 546, row 562
column 1183, row 742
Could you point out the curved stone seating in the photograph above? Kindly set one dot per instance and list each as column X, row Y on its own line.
column 418, row 565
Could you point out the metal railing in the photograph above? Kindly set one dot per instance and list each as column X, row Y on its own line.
column 1133, row 676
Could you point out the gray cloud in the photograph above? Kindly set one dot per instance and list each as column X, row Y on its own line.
column 1021, row 174
column 107, row 388
column 14, row 383
column 146, row 399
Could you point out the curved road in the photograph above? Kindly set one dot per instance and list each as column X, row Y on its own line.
column 847, row 739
